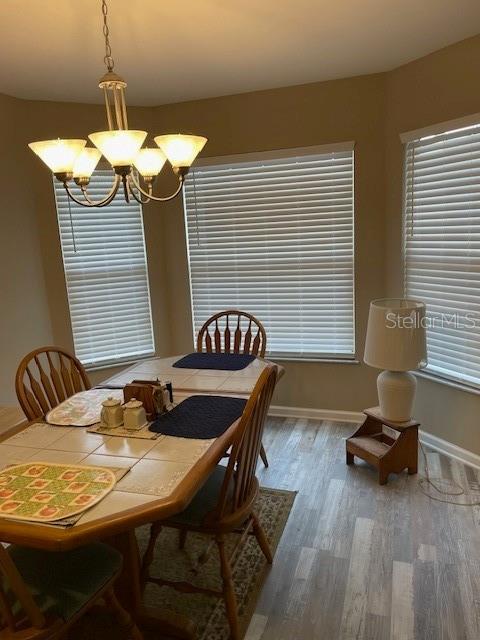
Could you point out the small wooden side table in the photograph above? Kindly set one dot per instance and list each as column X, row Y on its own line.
column 389, row 446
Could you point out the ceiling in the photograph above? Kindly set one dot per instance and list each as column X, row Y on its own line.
column 176, row 50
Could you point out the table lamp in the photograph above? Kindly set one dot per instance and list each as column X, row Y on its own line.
column 396, row 341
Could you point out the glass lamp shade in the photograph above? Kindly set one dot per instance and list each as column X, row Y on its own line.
column 59, row 155
column 119, row 147
column 181, row 150
column 86, row 162
column 149, row 162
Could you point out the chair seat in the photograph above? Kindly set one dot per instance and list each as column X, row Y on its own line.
column 204, row 501
column 63, row 582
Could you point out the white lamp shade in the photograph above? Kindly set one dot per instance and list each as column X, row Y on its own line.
column 86, row 162
column 120, row 146
column 396, row 338
column 59, row 155
column 149, row 162
column 181, row 150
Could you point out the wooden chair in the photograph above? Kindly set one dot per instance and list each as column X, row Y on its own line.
column 232, row 324
column 226, row 502
column 42, row 594
column 45, row 378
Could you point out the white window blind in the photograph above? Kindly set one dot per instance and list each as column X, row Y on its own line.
column 274, row 237
column 442, row 247
column 107, row 281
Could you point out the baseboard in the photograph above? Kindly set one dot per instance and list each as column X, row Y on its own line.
column 434, row 442
column 316, row 414
column 451, row 450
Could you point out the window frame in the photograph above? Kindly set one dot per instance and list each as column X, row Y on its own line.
column 121, row 360
column 328, row 358
column 438, row 129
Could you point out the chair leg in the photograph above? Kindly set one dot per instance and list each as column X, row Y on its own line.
column 182, row 533
column 123, row 616
column 149, row 553
column 228, row 590
column 263, row 455
column 262, row 538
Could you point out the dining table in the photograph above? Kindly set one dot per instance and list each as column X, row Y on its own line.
column 163, row 476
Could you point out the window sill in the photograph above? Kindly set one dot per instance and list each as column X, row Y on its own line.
column 275, row 358
column 449, row 383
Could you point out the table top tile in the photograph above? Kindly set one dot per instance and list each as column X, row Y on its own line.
column 115, row 502
column 39, row 435
column 77, row 439
column 154, row 477
column 126, row 447
column 58, row 457
column 10, row 454
column 98, row 460
column 178, row 449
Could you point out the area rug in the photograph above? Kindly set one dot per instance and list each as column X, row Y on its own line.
column 208, row 613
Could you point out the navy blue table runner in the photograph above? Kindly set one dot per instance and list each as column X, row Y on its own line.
column 201, row 417
column 221, row 361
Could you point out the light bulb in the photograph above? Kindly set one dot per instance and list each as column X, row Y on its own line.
column 59, row 155
column 120, row 146
column 86, row 162
column 181, row 150
column 149, row 162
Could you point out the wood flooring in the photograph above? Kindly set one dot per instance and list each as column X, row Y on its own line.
column 360, row 561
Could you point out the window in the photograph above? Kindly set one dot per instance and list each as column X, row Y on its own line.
column 442, row 247
column 106, row 276
column 272, row 234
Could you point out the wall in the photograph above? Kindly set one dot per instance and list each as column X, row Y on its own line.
column 312, row 114
column 24, row 311
column 436, row 88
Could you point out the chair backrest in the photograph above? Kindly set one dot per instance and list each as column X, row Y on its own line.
column 45, row 378
column 248, row 334
column 240, row 483
column 18, row 609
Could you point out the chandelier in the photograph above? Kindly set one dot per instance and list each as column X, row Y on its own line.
column 122, row 147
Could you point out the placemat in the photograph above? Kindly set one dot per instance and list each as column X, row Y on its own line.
column 82, row 409
column 46, row 491
column 219, row 361
column 200, row 417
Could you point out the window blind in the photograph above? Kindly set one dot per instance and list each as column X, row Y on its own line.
column 274, row 237
column 106, row 275
column 442, row 247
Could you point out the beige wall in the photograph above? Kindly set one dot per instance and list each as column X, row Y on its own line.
column 372, row 110
column 313, row 114
column 436, row 88
column 24, row 312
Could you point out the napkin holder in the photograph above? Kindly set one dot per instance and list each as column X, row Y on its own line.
column 153, row 395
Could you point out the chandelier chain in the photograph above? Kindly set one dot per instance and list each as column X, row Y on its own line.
column 108, row 59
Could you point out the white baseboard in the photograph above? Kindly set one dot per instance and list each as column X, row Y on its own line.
column 434, row 442
column 451, row 450
column 316, row 414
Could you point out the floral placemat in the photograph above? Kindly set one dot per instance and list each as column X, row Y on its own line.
column 82, row 409
column 45, row 491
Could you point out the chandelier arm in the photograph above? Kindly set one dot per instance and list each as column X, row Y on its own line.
column 181, row 180
column 138, row 197
column 91, row 203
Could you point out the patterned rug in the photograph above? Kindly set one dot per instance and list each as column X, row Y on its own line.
column 273, row 509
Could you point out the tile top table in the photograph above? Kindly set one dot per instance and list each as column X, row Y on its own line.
column 204, row 380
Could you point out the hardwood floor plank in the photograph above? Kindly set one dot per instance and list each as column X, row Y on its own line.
column 402, row 615
column 355, row 604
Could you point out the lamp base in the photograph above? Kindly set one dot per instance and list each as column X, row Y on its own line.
column 396, row 393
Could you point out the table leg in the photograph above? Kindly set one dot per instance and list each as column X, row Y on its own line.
column 129, row 592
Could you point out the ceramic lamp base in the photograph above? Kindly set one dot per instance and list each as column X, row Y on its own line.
column 396, row 394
